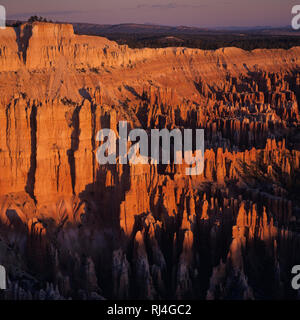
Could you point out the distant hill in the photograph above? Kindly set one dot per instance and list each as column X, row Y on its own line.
column 137, row 28
column 158, row 36
column 161, row 29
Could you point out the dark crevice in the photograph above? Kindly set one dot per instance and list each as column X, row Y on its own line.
column 31, row 174
column 23, row 34
column 93, row 123
column 74, row 146
column 8, row 126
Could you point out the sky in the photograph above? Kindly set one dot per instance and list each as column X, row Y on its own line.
column 197, row 13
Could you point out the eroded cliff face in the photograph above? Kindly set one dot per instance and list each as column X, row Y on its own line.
column 146, row 231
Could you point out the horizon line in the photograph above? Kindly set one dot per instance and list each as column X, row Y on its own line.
column 160, row 25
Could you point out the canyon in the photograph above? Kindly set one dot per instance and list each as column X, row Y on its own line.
column 71, row 228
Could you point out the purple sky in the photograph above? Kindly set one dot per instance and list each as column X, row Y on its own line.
column 199, row 13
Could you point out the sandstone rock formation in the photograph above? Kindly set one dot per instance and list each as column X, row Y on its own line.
column 77, row 229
